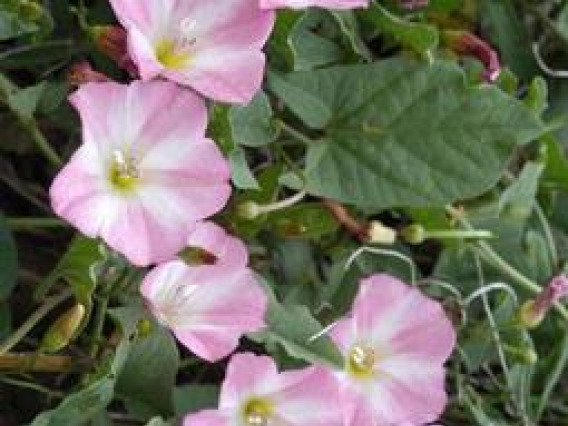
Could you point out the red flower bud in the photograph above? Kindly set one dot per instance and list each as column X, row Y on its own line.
column 113, row 42
column 465, row 43
column 82, row 73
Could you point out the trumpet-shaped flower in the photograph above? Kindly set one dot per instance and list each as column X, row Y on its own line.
column 209, row 307
column 254, row 393
column 215, row 47
column 210, row 244
column 394, row 344
column 326, row 4
column 145, row 173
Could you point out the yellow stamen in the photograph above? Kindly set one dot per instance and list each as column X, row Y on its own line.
column 170, row 55
column 123, row 173
column 361, row 362
column 257, row 412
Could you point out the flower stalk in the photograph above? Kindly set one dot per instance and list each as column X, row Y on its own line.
column 251, row 210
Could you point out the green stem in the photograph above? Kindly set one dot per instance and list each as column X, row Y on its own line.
column 41, row 142
column 490, row 256
column 290, row 131
column 26, row 223
column 553, row 377
column 453, row 234
column 547, row 234
column 100, row 316
column 32, row 386
column 30, row 323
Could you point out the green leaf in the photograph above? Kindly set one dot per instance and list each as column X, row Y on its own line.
column 8, row 260
column 241, row 174
column 307, row 220
column 25, row 101
column 86, row 404
column 350, row 28
column 417, row 36
column 310, row 49
column 404, row 133
column 152, row 363
column 297, row 331
column 192, row 398
column 313, row 111
column 75, row 267
column 251, row 125
column 510, row 36
column 519, row 198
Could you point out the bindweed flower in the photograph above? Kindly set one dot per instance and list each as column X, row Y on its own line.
column 465, row 43
column 254, row 393
column 210, row 306
column 215, row 47
column 326, row 4
column 145, row 173
column 533, row 312
column 212, row 245
column 394, row 344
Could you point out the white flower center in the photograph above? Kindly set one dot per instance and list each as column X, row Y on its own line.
column 176, row 52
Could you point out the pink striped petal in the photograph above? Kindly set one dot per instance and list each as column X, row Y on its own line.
column 326, row 4
column 208, row 308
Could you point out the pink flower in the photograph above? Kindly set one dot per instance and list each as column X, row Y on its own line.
column 255, row 394
column 217, row 247
column 212, row 46
column 326, row 4
column 209, row 307
column 145, row 173
column 395, row 344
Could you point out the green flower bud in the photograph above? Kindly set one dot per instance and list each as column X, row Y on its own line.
column 414, row 234
column 248, row 210
column 63, row 329
column 529, row 316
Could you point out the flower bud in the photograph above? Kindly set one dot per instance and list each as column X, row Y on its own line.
column 414, row 234
column 466, row 43
column 82, row 73
column 248, row 210
column 379, row 233
column 195, row 256
column 533, row 312
column 529, row 316
column 63, row 329
column 112, row 41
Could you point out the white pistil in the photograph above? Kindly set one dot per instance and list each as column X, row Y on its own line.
column 125, row 166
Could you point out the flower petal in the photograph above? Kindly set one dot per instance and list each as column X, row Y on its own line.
column 213, row 239
column 207, row 418
column 247, row 375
